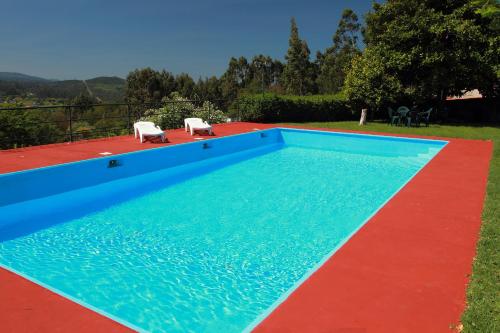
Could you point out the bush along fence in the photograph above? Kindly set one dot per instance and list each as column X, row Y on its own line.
column 279, row 108
column 39, row 125
column 176, row 108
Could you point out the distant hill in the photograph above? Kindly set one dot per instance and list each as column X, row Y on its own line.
column 107, row 88
column 19, row 77
column 104, row 89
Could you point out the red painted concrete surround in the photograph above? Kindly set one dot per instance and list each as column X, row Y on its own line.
column 406, row 270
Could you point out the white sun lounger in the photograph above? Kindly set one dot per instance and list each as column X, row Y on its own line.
column 197, row 124
column 142, row 129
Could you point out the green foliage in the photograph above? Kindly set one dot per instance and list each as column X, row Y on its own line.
column 176, row 108
column 369, row 82
column 83, row 130
column 148, row 86
column 488, row 8
column 299, row 72
column 185, row 85
column 210, row 112
column 334, row 63
column 279, row 108
column 424, row 51
column 490, row 12
column 242, row 77
column 83, row 101
column 236, row 77
column 208, row 89
column 265, row 74
column 108, row 89
column 27, row 128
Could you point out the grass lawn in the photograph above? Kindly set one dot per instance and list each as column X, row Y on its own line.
column 483, row 295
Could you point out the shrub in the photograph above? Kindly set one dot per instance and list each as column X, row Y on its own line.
column 282, row 108
column 176, row 108
column 208, row 111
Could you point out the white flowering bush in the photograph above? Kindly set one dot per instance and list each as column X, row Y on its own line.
column 209, row 112
column 176, row 108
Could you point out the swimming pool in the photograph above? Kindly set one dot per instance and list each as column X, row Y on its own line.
column 206, row 236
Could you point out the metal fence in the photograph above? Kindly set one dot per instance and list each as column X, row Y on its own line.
column 37, row 125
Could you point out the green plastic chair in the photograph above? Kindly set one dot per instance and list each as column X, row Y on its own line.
column 403, row 112
column 393, row 116
column 424, row 116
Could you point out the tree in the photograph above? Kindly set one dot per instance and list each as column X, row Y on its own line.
column 184, row 85
column 298, row 73
column 84, row 101
column 208, row 89
column 148, row 86
column 369, row 82
column 490, row 12
column 261, row 69
column 259, row 75
column 277, row 75
column 20, row 129
column 83, row 104
column 430, row 49
column 334, row 63
column 236, row 77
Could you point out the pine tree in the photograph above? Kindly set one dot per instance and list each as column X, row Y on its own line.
column 184, row 85
column 236, row 77
column 333, row 64
column 298, row 71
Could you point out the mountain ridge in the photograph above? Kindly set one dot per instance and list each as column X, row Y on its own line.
column 18, row 77
column 21, row 77
column 104, row 88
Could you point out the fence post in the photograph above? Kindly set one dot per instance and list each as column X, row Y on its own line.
column 70, row 112
column 209, row 112
column 128, row 119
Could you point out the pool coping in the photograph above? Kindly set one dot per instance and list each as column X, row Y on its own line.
column 285, row 297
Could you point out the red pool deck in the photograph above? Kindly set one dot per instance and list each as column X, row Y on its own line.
column 406, row 270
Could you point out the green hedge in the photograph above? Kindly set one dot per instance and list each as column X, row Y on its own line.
column 281, row 108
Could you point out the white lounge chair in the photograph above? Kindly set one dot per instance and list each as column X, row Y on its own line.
column 197, row 124
column 143, row 129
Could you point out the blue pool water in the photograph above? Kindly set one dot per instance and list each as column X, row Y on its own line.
column 209, row 246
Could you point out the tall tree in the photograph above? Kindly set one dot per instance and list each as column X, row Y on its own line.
column 208, row 89
column 298, row 72
column 236, row 77
column 184, row 85
column 261, row 69
column 490, row 13
column 370, row 82
column 335, row 62
column 148, row 86
column 230, row 81
column 243, row 71
column 432, row 48
column 277, row 75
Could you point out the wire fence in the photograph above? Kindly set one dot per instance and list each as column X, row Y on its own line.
column 38, row 125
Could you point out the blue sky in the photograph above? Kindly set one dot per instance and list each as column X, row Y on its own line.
column 87, row 38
